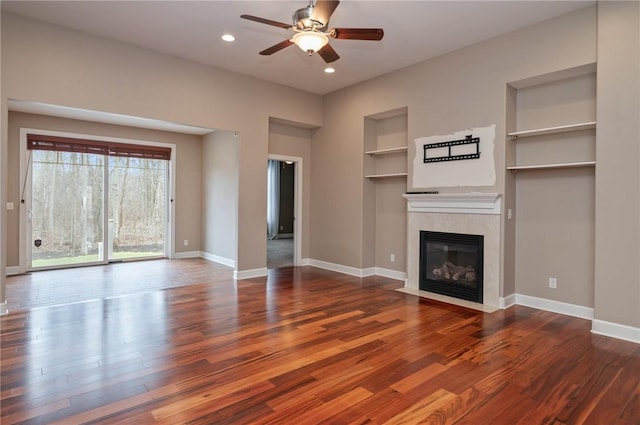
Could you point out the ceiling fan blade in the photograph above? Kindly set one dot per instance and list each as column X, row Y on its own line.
column 266, row 21
column 323, row 10
column 374, row 34
column 328, row 54
column 276, row 48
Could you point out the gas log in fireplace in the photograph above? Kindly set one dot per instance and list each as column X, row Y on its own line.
column 451, row 264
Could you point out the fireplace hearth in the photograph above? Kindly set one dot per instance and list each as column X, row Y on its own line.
column 452, row 264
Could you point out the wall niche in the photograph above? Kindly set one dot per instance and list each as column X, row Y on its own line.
column 385, row 181
column 551, row 182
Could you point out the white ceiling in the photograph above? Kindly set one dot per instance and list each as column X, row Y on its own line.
column 414, row 31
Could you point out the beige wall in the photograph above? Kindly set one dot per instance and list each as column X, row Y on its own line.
column 288, row 140
column 554, row 217
column 220, row 194
column 83, row 71
column 187, row 193
column 3, row 191
column 453, row 92
column 617, row 286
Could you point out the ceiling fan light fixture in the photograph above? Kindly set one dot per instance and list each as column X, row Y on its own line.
column 310, row 41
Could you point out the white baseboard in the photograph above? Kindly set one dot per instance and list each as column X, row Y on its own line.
column 615, row 330
column 555, row 306
column 3, row 308
column 508, row 301
column 217, row 259
column 353, row 271
column 304, row 262
column 11, row 271
column 369, row 271
column 187, row 254
column 341, row 269
column 391, row 274
column 248, row 274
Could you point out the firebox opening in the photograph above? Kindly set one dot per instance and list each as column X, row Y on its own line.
column 451, row 264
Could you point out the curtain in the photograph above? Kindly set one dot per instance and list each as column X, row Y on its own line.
column 273, row 198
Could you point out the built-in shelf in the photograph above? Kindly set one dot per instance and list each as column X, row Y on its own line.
column 384, row 176
column 552, row 130
column 387, row 151
column 548, row 166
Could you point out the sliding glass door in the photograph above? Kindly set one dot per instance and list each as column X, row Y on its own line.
column 66, row 208
column 137, row 207
column 94, row 202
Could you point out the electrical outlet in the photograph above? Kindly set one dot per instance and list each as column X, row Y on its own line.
column 392, row 258
column 553, row 282
column 186, row 242
column 509, row 214
column 9, row 205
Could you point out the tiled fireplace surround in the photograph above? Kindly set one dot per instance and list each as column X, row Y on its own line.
column 470, row 213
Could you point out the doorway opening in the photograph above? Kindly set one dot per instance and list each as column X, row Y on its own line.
column 284, row 186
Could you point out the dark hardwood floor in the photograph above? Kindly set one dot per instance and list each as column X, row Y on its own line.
column 303, row 346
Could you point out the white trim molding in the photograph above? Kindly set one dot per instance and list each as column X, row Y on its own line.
column 187, row 254
column 217, row 259
column 12, row 271
column 3, row 308
column 555, row 306
column 616, row 330
column 353, row 271
column 391, row 274
column 454, row 203
column 249, row 274
column 508, row 301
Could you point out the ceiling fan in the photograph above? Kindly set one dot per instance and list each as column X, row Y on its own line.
column 311, row 34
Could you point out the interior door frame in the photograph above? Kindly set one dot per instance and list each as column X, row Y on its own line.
column 24, row 251
column 297, row 205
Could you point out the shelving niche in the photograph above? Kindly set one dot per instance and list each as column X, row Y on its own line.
column 386, row 146
column 550, row 185
column 554, row 125
column 585, row 132
column 384, row 157
column 388, row 152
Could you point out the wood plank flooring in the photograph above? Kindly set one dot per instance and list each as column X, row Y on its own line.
column 67, row 286
column 303, row 346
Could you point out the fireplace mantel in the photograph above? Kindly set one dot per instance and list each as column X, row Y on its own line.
column 455, row 203
column 469, row 213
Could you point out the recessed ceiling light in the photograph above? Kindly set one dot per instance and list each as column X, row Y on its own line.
column 228, row 37
column 329, row 70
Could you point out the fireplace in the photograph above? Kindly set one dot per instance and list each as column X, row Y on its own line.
column 451, row 264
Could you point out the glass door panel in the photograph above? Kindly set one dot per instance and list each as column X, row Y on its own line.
column 137, row 207
column 67, row 208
